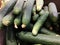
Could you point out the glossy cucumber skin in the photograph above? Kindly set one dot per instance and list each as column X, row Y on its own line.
column 39, row 23
column 18, row 7
column 27, row 12
column 39, row 39
column 8, row 7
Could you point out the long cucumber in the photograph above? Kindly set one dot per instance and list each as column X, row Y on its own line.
column 18, row 7
column 10, row 36
column 39, row 23
column 27, row 13
column 39, row 39
column 48, row 32
column 8, row 7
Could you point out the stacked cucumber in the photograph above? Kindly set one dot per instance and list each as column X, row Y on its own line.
column 30, row 21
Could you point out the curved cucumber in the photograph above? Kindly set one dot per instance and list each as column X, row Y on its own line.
column 8, row 19
column 53, row 11
column 39, row 23
column 27, row 13
column 39, row 39
column 18, row 7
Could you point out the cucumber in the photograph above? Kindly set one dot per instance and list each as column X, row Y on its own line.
column 39, row 23
column 27, row 13
column 18, row 21
column 41, row 12
column 18, row 7
column 46, row 8
column 34, row 9
column 8, row 7
column 8, row 19
column 39, row 4
column 53, row 11
column 35, row 17
column 48, row 32
column 10, row 36
column 39, row 39
column 37, row 44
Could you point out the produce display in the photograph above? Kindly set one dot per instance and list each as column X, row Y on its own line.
column 29, row 22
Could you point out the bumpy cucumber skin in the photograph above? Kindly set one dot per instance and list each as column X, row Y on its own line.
column 39, row 23
column 39, row 39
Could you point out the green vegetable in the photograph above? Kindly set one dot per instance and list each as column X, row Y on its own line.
column 46, row 31
column 35, row 17
column 18, row 7
column 10, row 37
column 18, row 21
column 8, row 19
column 8, row 7
column 34, row 9
column 41, row 12
column 27, row 13
column 39, row 39
column 39, row 4
column 39, row 23
column 53, row 12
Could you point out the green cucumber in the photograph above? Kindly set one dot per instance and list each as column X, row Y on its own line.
column 39, row 4
column 53, row 12
column 27, row 13
column 10, row 36
column 34, row 9
column 18, row 21
column 39, row 39
column 41, row 12
column 39, row 23
column 8, row 7
column 8, row 19
column 48, row 32
column 35, row 17
column 18, row 7
column 46, row 8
